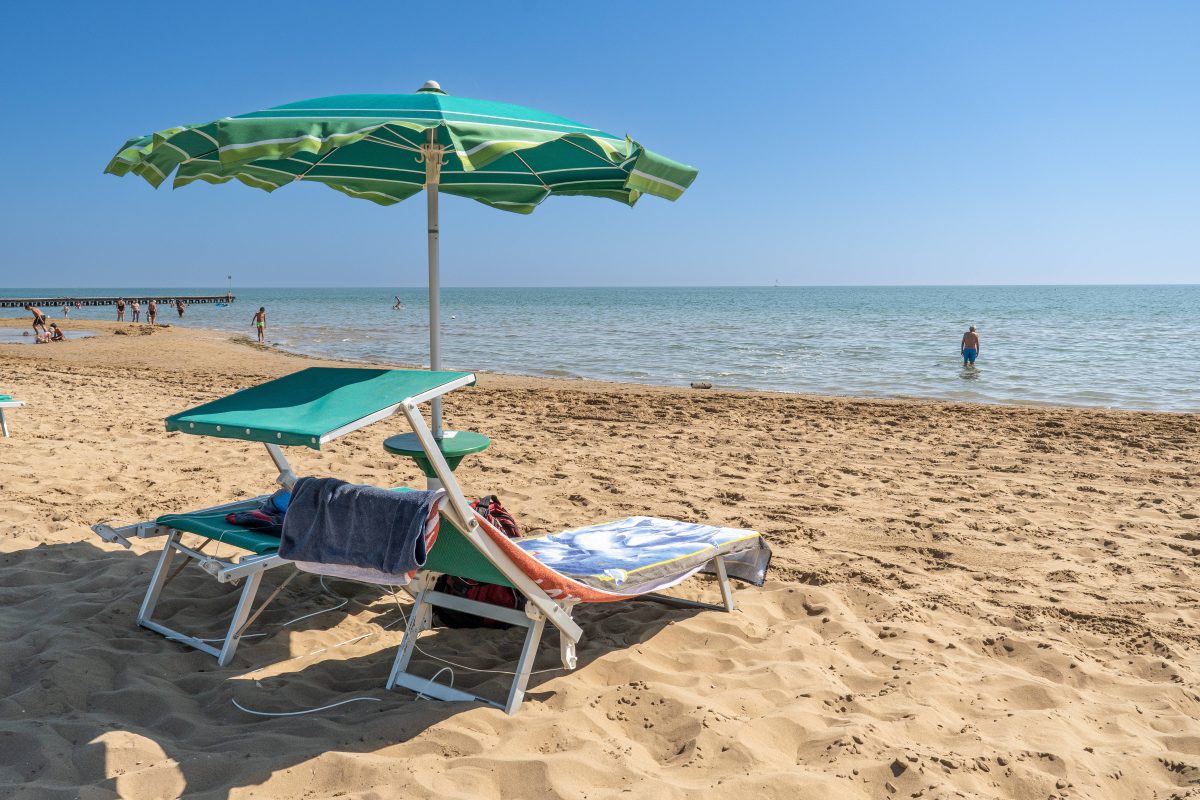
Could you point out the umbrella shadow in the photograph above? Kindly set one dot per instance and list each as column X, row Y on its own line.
column 89, row 699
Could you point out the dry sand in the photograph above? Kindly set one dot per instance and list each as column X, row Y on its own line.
column 966, row 601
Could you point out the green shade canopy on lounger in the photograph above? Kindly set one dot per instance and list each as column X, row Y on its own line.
column 314, row 405
column 387, row 147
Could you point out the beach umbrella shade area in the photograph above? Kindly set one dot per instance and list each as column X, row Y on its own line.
column 388, row 147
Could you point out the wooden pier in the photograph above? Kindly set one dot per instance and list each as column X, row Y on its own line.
column 53, row 302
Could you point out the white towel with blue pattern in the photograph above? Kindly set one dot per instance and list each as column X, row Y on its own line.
column 641, row 554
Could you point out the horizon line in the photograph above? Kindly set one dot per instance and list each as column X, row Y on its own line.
column 49, row 289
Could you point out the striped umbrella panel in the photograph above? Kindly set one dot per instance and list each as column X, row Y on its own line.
column 369, row 146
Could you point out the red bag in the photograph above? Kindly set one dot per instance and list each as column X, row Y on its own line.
column 490, row 509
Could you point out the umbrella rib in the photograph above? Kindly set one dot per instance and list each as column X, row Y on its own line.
column 589, row 152
column 533, row 172
column 317, row 163
column 402, row 144
column 386, row 143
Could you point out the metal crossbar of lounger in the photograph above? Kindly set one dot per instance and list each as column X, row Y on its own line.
column 6, row 401
column 294, row 410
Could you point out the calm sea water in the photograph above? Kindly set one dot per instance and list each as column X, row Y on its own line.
column 1120, row 346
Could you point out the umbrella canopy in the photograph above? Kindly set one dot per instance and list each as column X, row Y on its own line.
column 374, row 146
column 387, row 147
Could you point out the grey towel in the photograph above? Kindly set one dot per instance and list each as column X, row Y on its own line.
column 334, row 522
column 749, row 565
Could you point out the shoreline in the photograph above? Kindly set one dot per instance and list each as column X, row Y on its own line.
column 103, row 328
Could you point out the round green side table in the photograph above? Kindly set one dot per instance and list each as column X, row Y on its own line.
column 455, row 446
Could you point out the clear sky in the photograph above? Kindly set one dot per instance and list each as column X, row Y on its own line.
column 837, row 142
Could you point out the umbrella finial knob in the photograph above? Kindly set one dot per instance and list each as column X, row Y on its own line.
column 432, row 87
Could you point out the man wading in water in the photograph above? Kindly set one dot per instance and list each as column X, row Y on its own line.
column 970, row 346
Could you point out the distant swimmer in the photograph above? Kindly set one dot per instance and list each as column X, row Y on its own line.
column 398, row 306
column 260, row 322
column 179, row 307
column 970, row 346
column 151, row 311
column 39, row 319
column 66, row 310
column 120, row 309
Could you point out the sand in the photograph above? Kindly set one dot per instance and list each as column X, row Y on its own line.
column 966, row 600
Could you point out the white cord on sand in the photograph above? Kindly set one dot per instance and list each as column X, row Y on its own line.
column 345, row 600
column 304, row 711
column 433, row 680
column 450, row 665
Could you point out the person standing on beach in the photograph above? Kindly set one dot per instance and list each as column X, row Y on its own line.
column 39, row 319
column 151, row 311
column 120, row 309
column 260, row 322
column 970, row 347
column 136, row 308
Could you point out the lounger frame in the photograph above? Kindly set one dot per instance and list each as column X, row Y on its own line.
column 247, row 570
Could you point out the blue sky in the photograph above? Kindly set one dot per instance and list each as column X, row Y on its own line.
column 837, row 142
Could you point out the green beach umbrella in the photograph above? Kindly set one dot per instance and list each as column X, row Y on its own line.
column 387, row 147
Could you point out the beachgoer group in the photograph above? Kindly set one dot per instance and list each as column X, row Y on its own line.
column 41, row 333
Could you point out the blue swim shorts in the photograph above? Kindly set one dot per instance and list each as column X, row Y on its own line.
column 969, row 354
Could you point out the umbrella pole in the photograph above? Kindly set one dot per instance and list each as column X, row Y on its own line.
column 435, row 344
column 432, row 153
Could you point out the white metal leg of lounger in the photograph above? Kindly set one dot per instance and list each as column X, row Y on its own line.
column 3, row 419
column 422, row 618
column 250, row 571
column 722, row 581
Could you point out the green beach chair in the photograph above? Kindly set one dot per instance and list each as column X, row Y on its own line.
column 6, row 401
column 308, row 408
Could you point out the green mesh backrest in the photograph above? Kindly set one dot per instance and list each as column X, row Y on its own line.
column 452, row 554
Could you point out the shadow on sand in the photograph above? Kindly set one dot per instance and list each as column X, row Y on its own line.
column 89, row 701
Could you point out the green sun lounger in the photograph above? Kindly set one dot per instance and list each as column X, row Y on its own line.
column 309, row 408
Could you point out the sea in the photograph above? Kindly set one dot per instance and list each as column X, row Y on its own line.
column 1109, row 346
